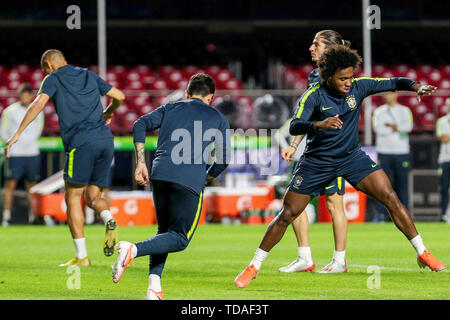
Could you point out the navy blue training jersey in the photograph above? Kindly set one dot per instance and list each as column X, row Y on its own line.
column 319, row 102
column 187, row 130
column 76, row 92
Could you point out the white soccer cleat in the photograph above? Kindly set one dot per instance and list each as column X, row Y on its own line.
column 153, row 295
column 124, row 258
column 334, row 267
column 298, row 265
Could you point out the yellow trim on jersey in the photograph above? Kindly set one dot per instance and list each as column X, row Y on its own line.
column 302, row 102
column 197, row 216
column 70, row 166
column 369, row 78
column 40, row 87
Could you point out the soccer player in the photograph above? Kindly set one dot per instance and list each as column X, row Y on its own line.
column 25, row 160
column 333, row 192
column 87, row 139
column 178, row 174
column 443, row 134
column 328, row 113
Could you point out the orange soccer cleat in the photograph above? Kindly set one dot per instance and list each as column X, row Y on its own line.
column 426, row 259
column 243, row 279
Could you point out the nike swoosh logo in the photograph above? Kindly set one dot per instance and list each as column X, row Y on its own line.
column 126, row 258
column 374, row 165
column 323, row 108
column 329, row 187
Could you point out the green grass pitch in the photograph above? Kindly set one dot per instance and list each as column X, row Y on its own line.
column 30, row 255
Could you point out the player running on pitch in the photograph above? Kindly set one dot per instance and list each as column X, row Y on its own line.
column 177, row 183
column 87, row 140
column 328, row 113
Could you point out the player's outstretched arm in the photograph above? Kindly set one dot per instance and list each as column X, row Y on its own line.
column 33, row 110
column 118, row 97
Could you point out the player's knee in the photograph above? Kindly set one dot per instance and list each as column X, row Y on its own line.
column 181, row 241
column 390, row 200
column 287, row 215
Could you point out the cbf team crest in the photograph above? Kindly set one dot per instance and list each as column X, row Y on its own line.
column 297, row 181
column 351, row 101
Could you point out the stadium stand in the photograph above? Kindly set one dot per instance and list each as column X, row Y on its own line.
column 146, row 89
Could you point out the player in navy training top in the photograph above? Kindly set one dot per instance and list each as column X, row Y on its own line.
column 179, row 174
column 87, row 140
column 328, row 113
column 333, row 192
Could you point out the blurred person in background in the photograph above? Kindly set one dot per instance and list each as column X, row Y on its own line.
column 392, row 122
column 443, row 134
column 24, row 162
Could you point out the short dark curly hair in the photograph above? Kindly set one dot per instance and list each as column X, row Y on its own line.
column 336, row 58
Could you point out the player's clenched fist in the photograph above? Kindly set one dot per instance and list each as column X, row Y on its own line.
column 141, row 174
column 329, row 123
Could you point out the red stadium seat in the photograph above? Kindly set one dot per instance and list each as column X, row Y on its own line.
column 401, row 70
column 147, row 108
column 442, row 110
column 128, row 121
column 444, row 84
column 159, row 84
column 51, row 125
column 213, row 70
column 446, row 69
column 223, row 76
column 232, row 84
column 133, row 76
column 36, row 75
column 134, row 85
column 173, row 78
column 144, row 70
column 181, row 85
column 425, row 69
column 378, row 69
column 164, row 71
column 434, row 77
column 123, row 109
column 188, row 71
column 427, row 121
column 148, row 80
column 421, row 109
column 411, row 74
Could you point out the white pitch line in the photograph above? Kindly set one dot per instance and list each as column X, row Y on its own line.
column 389, row 268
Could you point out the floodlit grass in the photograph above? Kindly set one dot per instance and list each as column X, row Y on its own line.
column 30, row 256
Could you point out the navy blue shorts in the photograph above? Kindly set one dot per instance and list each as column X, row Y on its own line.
column 90, row 163
column 337, row 186
column 312, row 178
column 26, row 168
